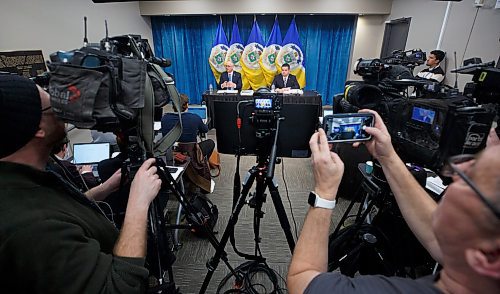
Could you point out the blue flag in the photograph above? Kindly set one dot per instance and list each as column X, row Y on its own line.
column 251, row 57
column 268, row 57
column 291, row 53
column 235, row 51
column 218, row 52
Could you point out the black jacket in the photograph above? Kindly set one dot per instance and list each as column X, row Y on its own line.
column 290, row 83
column 236, row 79
column 55, row 240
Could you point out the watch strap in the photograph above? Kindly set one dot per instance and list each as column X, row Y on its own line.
column 323, row 203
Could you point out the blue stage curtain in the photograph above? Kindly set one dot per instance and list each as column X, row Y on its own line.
column 187, row 40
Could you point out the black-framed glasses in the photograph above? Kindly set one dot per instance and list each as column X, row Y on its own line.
column 46, row 108
column 451, row 168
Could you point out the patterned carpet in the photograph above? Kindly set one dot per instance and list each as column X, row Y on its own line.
column 190, row 267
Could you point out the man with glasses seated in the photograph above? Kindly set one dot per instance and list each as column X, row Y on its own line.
column 462, row 232
column 230, row 79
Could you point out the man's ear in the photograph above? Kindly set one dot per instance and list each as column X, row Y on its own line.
column 484, row 263
column 40, row 133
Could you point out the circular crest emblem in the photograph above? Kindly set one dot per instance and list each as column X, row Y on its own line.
column 251, row 55
column 234, row 55
column 217, row 57
column 269, row 57
column 291, row 54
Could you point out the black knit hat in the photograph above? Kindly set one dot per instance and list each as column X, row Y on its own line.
column 20, row 112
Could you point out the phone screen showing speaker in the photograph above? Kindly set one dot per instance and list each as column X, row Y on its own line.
column 347, row 127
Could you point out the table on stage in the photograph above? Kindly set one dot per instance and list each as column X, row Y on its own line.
column 309, row 97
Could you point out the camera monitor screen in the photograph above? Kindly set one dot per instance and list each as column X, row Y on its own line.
column 423, row 115
column 90, row 153
column 263, row 103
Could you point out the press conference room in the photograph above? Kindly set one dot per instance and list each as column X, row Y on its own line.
column 226, row 96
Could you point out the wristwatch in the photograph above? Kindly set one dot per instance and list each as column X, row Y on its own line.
column 316, row 201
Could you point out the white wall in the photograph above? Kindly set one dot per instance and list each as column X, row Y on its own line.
column 427, row 18
column 172, row 7
column 53, row 25
column 368, row 40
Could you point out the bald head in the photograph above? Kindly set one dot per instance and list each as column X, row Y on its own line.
column 229, row 66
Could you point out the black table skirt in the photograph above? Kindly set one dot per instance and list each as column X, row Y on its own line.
column 309, row 97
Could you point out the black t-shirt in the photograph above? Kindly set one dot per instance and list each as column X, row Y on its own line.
column 335, row 282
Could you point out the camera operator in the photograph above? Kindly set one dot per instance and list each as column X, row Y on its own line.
column 54, row 239
column 462, row 233
column 434, row 70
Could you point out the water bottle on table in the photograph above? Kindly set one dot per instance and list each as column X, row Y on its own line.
column 210, row 89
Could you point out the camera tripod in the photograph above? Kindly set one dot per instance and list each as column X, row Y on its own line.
column 159, row 254
column 263, row 174
column 379, row 240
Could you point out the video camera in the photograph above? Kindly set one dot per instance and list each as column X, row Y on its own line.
column 425, row 131
column 408, row 58
column 116, row 86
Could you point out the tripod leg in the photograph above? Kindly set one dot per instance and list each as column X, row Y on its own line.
column 258, row 214
column 214, row 261
column 359, row 192
column 280, row 210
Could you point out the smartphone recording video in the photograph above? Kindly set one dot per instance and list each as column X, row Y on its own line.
column 347, row 127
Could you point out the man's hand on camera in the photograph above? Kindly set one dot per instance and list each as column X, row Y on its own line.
column 146, row 184
column 380, row 145
column 328, row 168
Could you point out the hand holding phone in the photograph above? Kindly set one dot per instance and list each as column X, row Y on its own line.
column 347, row 127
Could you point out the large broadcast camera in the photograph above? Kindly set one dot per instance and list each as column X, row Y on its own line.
column 425, row 131
column 408, row 58
column 117, row 86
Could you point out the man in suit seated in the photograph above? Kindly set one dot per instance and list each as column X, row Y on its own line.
column 230, row 80
column 285, row 81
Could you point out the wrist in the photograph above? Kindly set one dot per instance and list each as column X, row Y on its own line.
column 137, row 204
column 389, row 159
column 327, row 194
column 316, row 201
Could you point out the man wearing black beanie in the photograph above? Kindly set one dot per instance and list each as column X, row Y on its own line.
column 52, row 238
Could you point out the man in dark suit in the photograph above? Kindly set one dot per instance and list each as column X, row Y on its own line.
column 230, row 80
column 285, row 80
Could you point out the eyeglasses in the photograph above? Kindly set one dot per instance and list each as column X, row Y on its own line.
column 451, row 168
column 46, row 108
